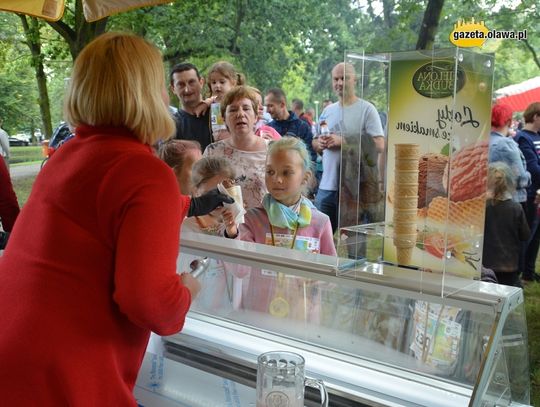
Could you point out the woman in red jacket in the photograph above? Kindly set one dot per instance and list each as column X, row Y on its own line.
column 90, row 266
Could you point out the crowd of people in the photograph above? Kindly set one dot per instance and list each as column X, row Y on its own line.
column 246, row 151
column 81, row 297
column 244, row 139
column 512, row 235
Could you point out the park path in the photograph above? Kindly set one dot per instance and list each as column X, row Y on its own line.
column 20, row 171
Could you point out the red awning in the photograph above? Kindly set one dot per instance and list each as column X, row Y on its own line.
column 521, row 95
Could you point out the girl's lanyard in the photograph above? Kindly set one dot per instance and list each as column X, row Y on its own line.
column 294, row 235
column 279, row 306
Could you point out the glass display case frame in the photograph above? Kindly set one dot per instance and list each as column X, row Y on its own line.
column 229, row 346
column 420, row 207
column 377, row 329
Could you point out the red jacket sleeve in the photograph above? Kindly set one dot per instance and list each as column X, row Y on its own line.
column 9, row 207
column 142, row 210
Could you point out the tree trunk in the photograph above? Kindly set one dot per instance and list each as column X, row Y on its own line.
column 82, row 33
column 240, row 14
column 33, row 40
column 430, row 24
column 388, row 8
column 533, row 52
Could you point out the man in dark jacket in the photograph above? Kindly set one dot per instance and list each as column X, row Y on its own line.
column 528, row 139
column 285, row 122
column 186, row 84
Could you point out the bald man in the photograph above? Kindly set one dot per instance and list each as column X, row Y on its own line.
column 350, row 118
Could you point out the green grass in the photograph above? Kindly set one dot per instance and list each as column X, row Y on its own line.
column 22, row 187
column 25, row 155
column 532, row 311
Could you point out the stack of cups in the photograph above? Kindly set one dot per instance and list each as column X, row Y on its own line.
column 405, row 200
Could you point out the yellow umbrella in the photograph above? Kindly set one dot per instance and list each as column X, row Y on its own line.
column 53, row 10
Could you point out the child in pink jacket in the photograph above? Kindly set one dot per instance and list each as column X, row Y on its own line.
column 286, row 219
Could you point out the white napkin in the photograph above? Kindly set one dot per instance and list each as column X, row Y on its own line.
column 237, row 208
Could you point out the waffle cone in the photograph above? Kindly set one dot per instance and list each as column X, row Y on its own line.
column 406, row 177
column 465, row 213
column 406, row 190
column 403, row 240
column 405, row 202
column 408, row 150
column 405, row 215
column 406, row 164
column 404, row 255
column 236, row 192
column 404, row 228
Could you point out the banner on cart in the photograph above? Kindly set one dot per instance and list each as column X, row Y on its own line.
column 436, row 192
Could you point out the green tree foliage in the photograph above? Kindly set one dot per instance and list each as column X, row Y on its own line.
column 293, row 45
column 19, row 103
column 269, row 42
column 75, row 30
column 514, row 60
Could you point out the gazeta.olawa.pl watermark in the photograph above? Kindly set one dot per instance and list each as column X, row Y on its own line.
column 473, row 34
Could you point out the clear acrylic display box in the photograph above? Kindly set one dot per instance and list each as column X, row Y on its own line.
column 422, row 208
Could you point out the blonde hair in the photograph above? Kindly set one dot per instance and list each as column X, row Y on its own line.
column 288, row 143
column 118, row 80
column 208, row 167
column 240, row 92
column 500, row 181
column 174, row 152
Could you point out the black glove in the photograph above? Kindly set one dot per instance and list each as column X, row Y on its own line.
column 206, row 203
column 4, row 236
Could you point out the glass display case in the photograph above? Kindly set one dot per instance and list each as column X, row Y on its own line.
column 399, row 317
column 372, row 337
column 420, row 202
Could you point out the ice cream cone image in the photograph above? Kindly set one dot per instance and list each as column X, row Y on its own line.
column 406, row 190
column 404, row 228
column 406, row 215
column 405, row 200
column 406, row 177
column 406, row 164
column 404, row 255
column 407, row 150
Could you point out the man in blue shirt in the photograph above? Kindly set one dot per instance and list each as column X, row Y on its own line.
column 286, row 122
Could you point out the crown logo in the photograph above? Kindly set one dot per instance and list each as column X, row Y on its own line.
column 469, row 33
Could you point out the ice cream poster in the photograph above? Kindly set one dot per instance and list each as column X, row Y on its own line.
column 437, row 156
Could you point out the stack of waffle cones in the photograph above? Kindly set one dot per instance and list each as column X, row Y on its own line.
column 405, row 200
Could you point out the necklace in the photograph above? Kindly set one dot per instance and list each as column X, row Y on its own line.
column 279, row 306
column 294, row 235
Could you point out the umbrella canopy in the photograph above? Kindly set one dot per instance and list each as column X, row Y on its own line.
column 521, row 95
column 53, row 10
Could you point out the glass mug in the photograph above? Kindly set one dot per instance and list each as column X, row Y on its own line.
column 281, row 381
